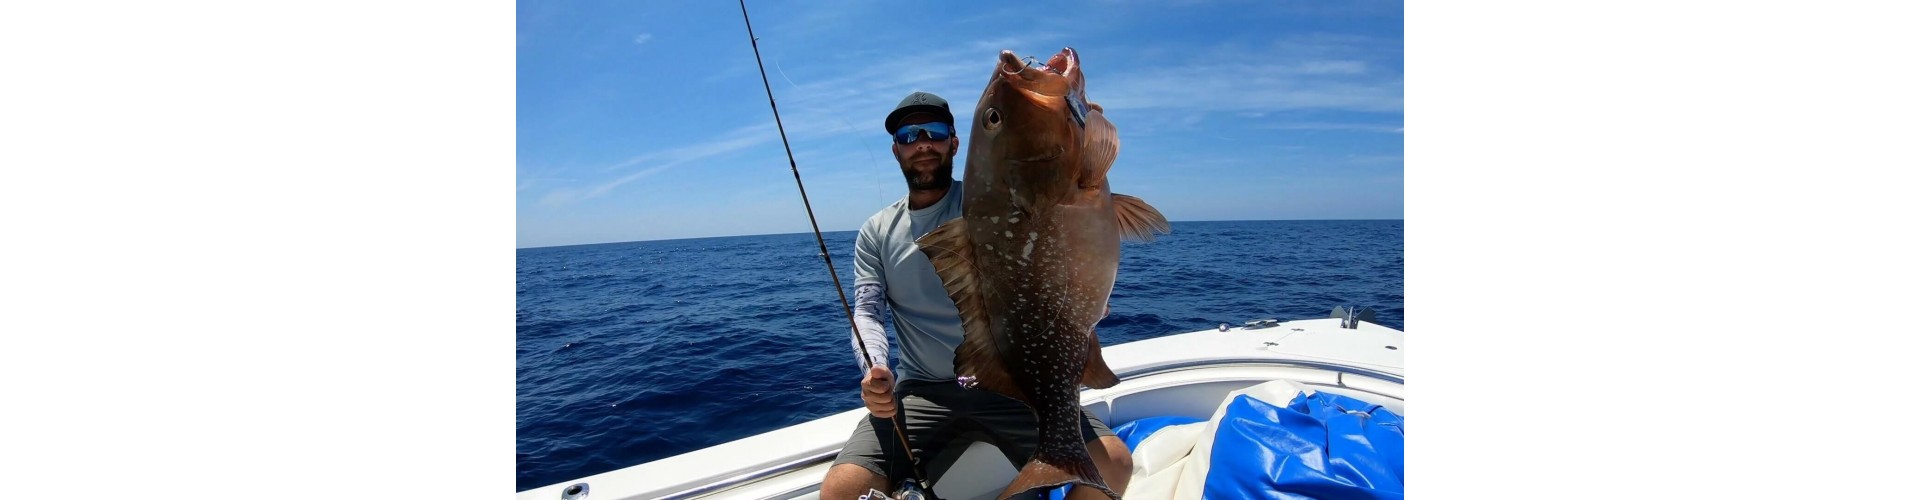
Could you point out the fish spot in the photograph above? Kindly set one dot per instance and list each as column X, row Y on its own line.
column 995, row 219
column 1009, row 234
column 1013, row 219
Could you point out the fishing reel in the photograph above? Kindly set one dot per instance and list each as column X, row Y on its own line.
column 908, row 490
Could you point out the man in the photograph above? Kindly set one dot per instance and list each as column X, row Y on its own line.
column 891, row 274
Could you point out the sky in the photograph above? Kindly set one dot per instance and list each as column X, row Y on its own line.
column 649, row 120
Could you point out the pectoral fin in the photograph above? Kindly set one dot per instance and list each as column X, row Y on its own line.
column 1097, row 375
column 1138, row 220
column 979, row 355
column 1098, row 148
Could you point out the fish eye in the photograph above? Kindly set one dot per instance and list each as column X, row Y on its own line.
column 993, row 118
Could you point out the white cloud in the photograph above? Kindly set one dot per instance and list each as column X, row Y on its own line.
column 852, row 99
column 563, row 196
column 1385, row 128
column 642, row 38
column 727, row 142
column 1028, row 41
column 1250, row 87
column 1333, row 68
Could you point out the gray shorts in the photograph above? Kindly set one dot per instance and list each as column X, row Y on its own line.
column 938, row 413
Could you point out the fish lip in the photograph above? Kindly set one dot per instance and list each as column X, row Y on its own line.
column 1011, row 65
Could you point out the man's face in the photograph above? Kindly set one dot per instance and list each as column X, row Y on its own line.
column 926, row 163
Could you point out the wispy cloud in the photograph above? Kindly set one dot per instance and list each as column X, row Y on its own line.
column 1314, row 72
column 1251, row 87
column 642, row 38
column 1014, row 43
column 1375, row 159
column 852, row 100
column 1384, row 128
column 659, row 161
column 564, row 196
column 525, row 183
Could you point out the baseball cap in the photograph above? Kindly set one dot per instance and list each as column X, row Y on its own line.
column 919, row 102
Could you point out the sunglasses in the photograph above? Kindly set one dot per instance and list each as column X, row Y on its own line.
column 911, row 133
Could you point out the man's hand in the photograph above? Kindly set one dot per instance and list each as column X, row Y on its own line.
column 877, row 391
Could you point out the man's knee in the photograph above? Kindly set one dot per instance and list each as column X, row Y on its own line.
column 1115, row 452
column 850, row 481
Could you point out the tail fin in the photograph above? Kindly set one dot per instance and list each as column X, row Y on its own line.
column 1037, row 474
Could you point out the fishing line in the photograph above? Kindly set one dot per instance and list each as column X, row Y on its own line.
column 872, row 161
column 914, row 463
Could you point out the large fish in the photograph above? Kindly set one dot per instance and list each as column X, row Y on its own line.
column 1032, row 260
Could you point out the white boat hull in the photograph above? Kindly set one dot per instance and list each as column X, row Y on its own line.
column 1185, row 375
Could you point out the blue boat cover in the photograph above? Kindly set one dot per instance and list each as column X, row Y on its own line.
column 1318, row 446
column 1136, row 431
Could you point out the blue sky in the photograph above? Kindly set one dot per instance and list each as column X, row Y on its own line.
column 648, row 120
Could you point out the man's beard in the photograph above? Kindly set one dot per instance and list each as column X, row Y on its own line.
column 941, row 178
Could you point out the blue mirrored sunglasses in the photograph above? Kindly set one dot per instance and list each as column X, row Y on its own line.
column 935, row 130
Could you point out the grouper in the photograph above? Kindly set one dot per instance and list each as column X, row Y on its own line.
column 1032, row 260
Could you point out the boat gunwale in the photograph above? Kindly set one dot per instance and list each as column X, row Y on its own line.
column 1145, row 371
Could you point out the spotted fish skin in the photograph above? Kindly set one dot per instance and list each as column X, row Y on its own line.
column 1032, row 260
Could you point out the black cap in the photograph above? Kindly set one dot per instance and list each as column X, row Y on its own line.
column 919, row 102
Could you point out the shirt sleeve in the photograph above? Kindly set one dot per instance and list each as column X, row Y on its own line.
column 866, row 255
column 869, row 306
column 870, row 298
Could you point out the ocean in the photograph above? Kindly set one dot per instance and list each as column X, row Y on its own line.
column 632, row 352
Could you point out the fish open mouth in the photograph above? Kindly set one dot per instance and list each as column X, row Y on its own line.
column 1062, row 64
column 1065, row 62
column 1049, row 79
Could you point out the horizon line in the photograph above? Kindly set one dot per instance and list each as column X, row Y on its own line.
column 857, row 229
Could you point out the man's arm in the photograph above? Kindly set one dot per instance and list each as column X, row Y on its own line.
column 869, row 307
column 870, row 304
column 870, row 299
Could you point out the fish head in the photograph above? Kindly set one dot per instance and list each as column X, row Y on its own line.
column 1029, row 128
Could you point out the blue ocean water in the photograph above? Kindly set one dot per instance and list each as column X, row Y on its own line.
column 632, row 352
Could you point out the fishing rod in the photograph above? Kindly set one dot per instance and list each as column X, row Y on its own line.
column 914, row 463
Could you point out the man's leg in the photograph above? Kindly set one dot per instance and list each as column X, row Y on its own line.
column 1011, row 424
column 1110, row 455
column 872, row 458
column 861, row 464
column 848, row 481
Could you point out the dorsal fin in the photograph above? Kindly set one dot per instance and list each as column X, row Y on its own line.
column 951, row 252
column 1099, row 145
column 1097, row 375
column 1138, row 220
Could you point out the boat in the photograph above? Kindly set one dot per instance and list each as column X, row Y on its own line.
column 1179, row 375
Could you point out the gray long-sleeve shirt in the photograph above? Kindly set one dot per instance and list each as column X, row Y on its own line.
column 890, row 273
